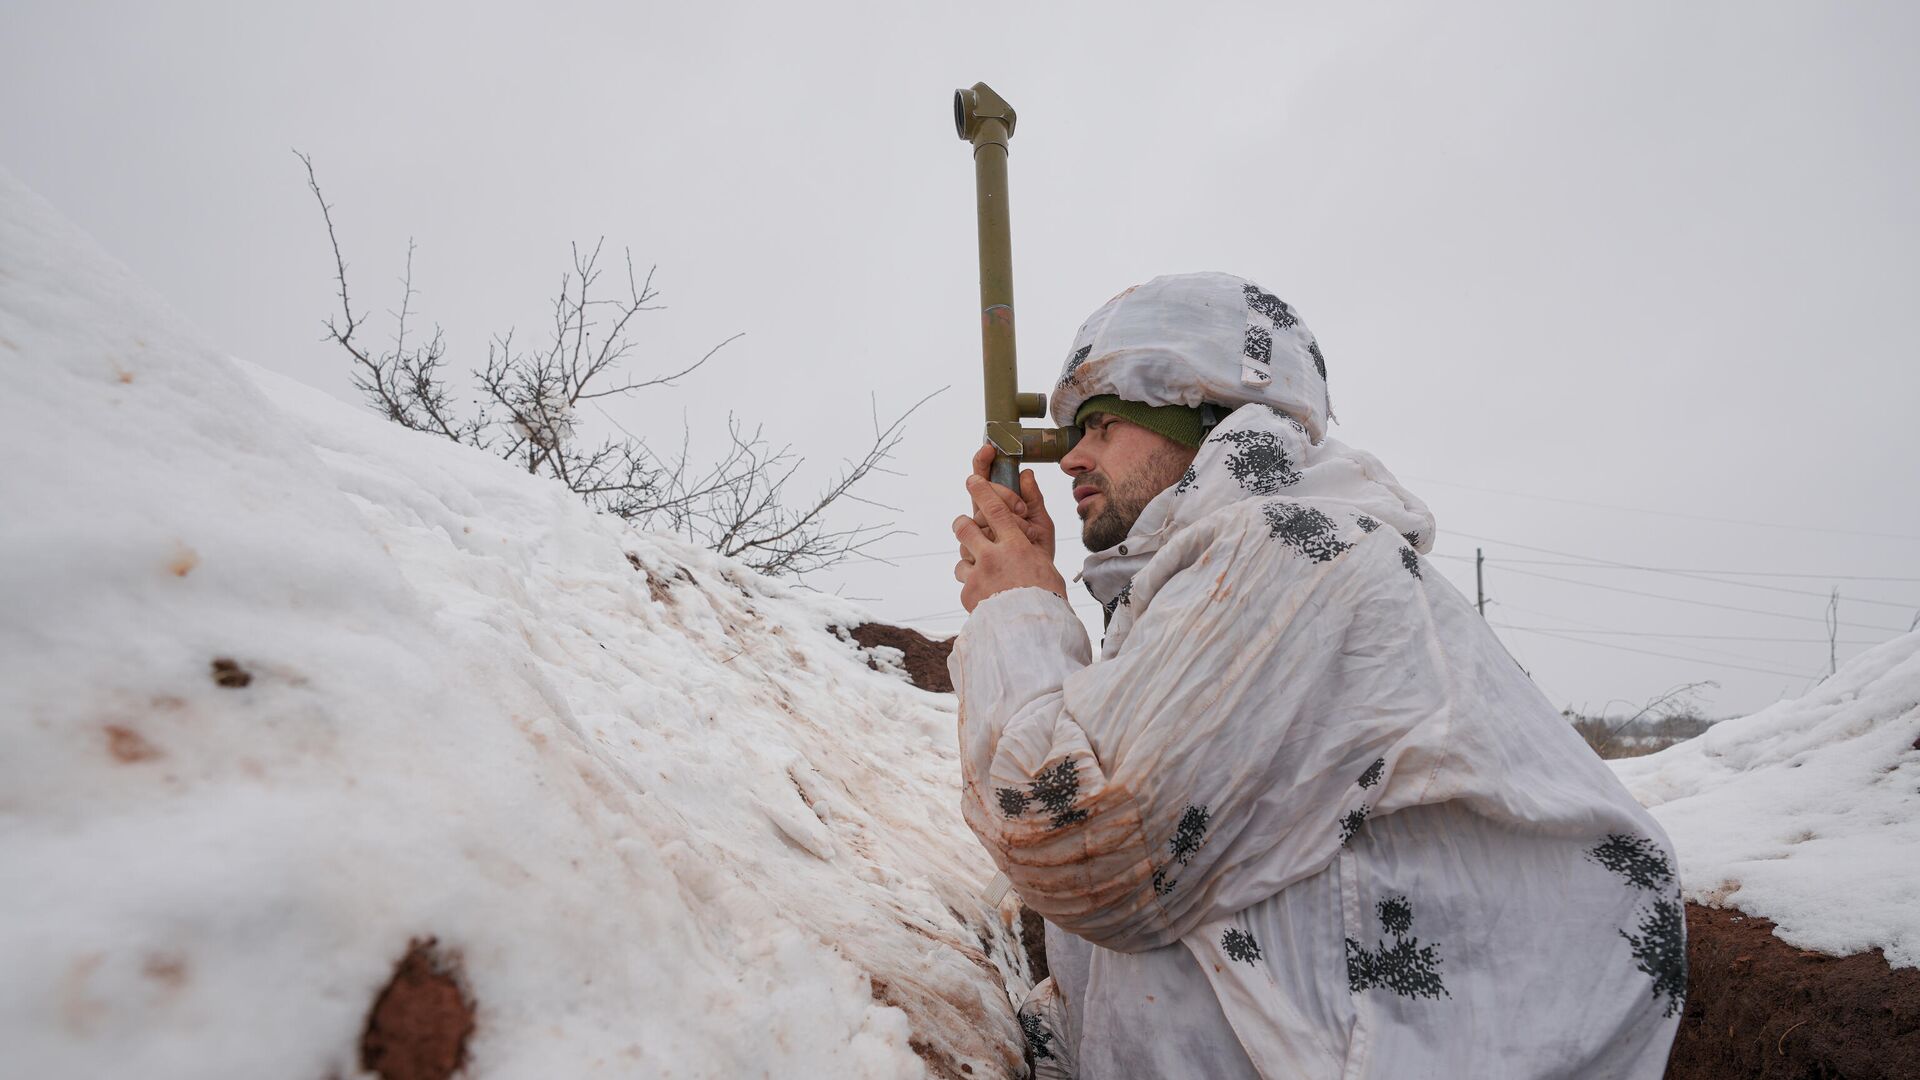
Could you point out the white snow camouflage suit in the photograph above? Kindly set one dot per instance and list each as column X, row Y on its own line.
column 1305, row 817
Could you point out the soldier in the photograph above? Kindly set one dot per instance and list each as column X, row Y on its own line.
column 1305, row 816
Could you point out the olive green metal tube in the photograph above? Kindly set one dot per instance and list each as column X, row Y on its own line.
column 984, row 119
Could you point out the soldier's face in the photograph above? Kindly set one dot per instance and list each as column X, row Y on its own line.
column 1117, row 468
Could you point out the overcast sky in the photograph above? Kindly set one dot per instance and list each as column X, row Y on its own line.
column 1630, row 282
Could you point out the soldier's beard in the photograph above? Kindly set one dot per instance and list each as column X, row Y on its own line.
column 1122, row 502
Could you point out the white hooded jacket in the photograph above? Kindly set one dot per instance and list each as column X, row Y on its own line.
column 1305, row 817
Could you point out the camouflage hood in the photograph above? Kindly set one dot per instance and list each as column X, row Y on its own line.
column 1256, row 453
column 1193, row 339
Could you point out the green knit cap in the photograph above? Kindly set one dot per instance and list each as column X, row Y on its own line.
column 1181, row 423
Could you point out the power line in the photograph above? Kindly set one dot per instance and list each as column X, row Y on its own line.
column 952, row 553
column 1694, row 637
column 943, row 613
column 1677, row 570
column 1615, row 564
column 1650, row 652
column 1702, row 603
column 1665, row 513
column 1661, row 637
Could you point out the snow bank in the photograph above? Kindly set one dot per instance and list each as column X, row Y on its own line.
column 285, row 688
column 1808, row 812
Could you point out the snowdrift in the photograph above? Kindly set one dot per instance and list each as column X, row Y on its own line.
column 301, row 712
column 1797, row 829
column 1806, row 813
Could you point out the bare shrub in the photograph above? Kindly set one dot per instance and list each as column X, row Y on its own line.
column 529, row 408
column 1663, row 720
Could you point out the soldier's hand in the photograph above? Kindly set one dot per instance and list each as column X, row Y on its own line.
column 998, row 556
column 1027, row 504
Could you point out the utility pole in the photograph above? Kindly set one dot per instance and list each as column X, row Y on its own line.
column 1479, row 582
column 1833, row 633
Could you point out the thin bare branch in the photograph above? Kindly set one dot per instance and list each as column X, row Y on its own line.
column 527, row 414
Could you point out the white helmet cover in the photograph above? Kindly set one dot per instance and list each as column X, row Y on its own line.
column 1193, row 339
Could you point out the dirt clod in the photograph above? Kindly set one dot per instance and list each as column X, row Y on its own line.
column 1759, row 1008
column 227, row 672
column 128, row 746
column 926, row 658
column 1033, row 938
column 419, row 1025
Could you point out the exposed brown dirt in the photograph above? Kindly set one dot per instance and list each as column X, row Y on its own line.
column 926, row 658
column 655, row 587
column 1033, row 938
column 129, row 746
column 1761, row 1009
column 419, row 1025
column 227, row 672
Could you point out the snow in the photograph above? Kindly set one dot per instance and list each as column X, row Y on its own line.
column 1807, row 812
column 669, row 823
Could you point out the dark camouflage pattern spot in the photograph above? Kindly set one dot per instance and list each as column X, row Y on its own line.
column 1239, row 945
column 1638, row 859
column 1039, row 1039
column 1073, row 364
column 1189, row 834
column 1013, row 801
column 1405, row 967
column 1269, row 305
column 1259, row 462
column 1259, row 347
column 1410, row 559
column 1373, row 773
column 1660, row 951
column 1351, row 821
column 1056, row 789
column 1304, row 529
column 1396, row 914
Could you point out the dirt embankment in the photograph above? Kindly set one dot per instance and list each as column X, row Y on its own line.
column 926, row 658
column 1760, row 1009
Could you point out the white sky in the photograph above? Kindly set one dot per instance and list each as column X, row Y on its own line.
column 1653, row 257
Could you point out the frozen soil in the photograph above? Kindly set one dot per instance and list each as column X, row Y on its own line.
column 1760, row 1009
column 923, row 658
column 419, row 1025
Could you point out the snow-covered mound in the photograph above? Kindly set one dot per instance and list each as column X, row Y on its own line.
column 285, row 689
column 1807, row 812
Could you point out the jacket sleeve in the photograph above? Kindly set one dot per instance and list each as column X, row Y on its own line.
column 1204, row 766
